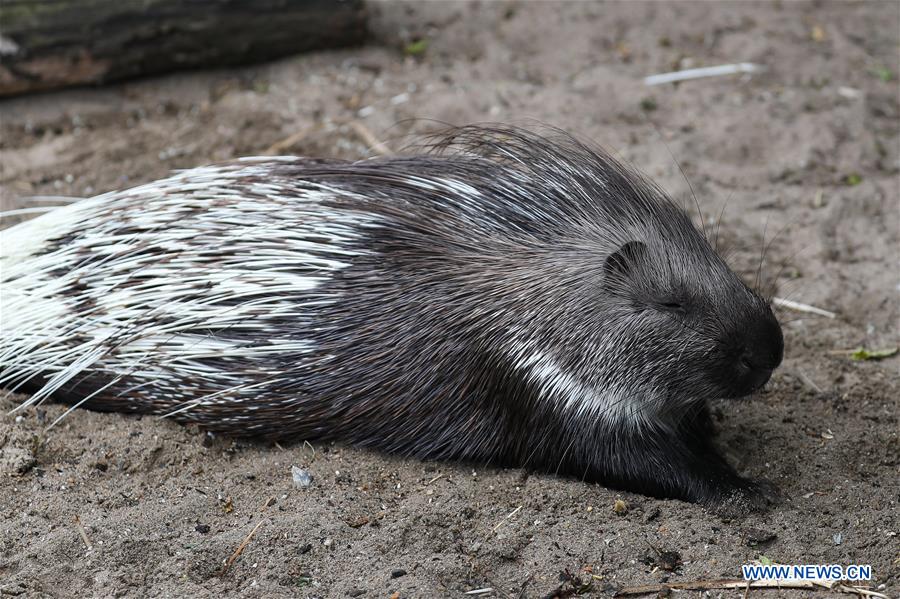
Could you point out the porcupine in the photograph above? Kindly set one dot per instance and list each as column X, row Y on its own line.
column 509, row 297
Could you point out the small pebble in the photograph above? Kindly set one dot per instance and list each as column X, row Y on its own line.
column 651, row 514
column 669, row 560
column 302, row 478
column 14, row 589
column 756, row 536
column 202, row 528
column 398, row 573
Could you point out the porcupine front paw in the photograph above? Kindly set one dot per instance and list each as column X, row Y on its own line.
column 745, row 496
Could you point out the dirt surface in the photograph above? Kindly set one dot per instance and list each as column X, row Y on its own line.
column 808, row 149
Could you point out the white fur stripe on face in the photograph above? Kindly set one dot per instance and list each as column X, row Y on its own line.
column 611, row 404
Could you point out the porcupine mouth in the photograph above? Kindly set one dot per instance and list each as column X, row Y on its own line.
column 747, row 380
column 759, row 377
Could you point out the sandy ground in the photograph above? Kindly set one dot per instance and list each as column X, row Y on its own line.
column 809, row 150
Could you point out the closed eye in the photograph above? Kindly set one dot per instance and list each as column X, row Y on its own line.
column 672, row 306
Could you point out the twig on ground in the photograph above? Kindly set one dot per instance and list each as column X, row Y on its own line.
column 807, row 381
column 369, row 139
column 280, row 146
column 798, row 307
column 524, row 585
column 724, row 69
column 240, row 548
column 82, row 532
column 439, row 476
column 311, row 448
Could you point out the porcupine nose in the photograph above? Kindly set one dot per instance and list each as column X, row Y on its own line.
column 761, row 354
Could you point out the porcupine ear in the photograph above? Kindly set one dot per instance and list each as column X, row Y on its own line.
column 619, row 263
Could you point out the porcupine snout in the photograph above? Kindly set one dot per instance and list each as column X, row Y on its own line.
column 760, row 352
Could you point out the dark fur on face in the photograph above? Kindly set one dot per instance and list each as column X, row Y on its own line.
column 507, row 297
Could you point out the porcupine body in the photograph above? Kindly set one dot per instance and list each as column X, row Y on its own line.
column 507, row 298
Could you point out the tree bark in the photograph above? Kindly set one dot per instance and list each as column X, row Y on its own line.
column 46, row 44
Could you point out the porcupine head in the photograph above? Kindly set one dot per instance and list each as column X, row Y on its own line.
column 627, row 324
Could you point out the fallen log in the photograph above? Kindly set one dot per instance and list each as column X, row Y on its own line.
column 47, row 44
